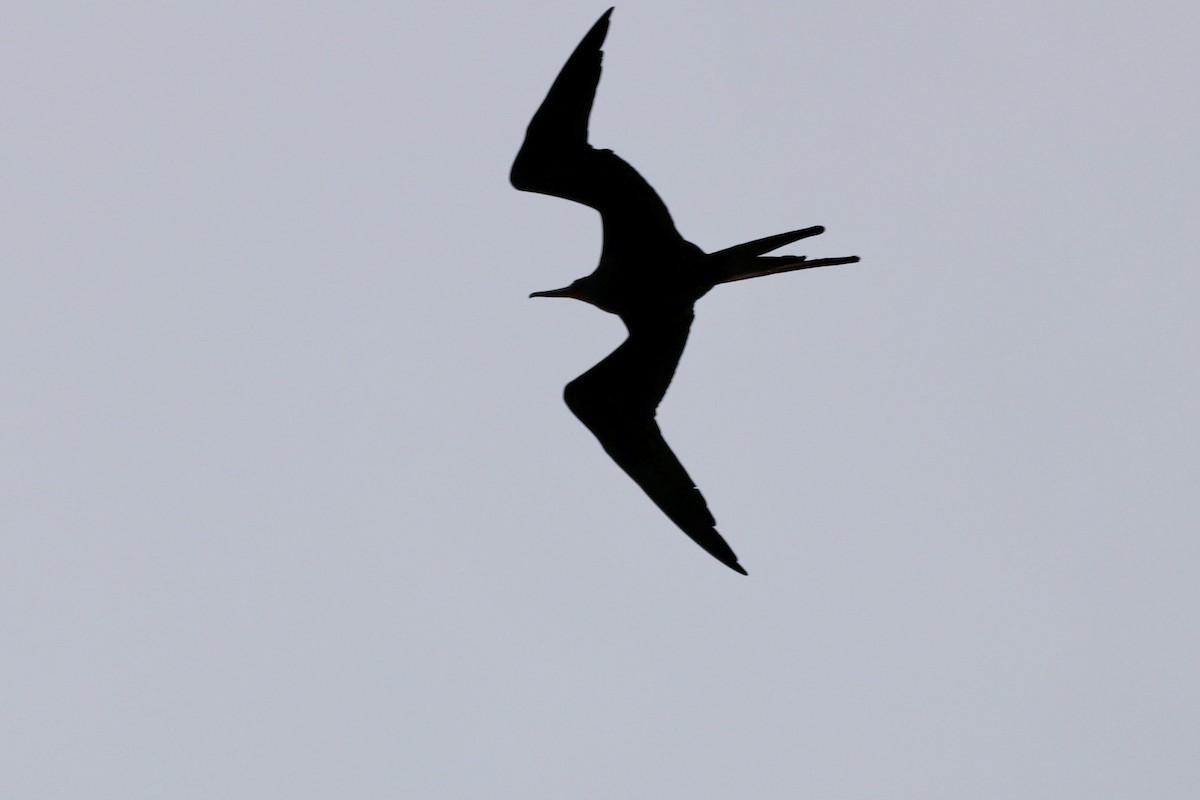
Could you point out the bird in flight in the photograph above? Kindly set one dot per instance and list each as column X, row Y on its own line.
column 649, row 276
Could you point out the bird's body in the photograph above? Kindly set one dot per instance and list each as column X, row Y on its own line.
column 648, row 275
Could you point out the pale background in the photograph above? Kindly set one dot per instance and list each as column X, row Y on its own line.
column 292, row 507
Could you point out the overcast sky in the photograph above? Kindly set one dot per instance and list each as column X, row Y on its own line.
column 292, row 507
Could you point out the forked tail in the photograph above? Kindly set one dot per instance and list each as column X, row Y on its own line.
column 745, row 260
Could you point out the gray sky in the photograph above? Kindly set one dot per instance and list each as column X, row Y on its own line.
column 292, row 507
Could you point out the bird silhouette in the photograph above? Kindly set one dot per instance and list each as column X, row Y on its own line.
column 648, row 275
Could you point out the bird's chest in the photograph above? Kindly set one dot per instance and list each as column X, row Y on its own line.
column 647, row 280
column 653, row 290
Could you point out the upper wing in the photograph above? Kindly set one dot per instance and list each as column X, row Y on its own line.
column 561, row 122
column 557, row 160
column 617, row 400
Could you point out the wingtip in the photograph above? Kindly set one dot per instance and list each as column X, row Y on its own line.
column 594, row 38
column 736, row 567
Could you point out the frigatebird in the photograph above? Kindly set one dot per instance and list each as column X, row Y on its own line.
column 649, row 276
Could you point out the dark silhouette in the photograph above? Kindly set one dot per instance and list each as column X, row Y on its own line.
column 649, row 276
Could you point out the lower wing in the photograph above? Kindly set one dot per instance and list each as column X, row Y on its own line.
column 617, row 400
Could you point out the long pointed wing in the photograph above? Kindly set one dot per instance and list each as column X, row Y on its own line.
column 557, row 160
column 617, row 400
